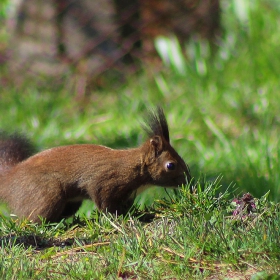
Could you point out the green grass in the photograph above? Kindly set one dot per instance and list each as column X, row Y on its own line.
column 192, row 236
column 222, row 106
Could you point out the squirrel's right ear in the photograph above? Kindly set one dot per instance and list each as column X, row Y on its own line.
column 156, row 144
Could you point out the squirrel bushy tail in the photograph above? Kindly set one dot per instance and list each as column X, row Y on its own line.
column 14, row 148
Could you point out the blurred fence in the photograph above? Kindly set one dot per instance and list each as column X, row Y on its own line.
column 89, row 37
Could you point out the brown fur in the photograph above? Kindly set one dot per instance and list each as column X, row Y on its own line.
column 53, row 183
column 13, row 149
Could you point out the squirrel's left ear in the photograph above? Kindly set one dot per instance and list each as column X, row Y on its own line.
column 156, row 145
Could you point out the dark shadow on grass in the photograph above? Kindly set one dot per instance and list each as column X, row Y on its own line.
column 38, row 242
column 35, row 241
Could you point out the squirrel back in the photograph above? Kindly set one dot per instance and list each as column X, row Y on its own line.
column 53, row 183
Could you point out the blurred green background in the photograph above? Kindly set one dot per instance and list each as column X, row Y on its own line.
column 222, row 106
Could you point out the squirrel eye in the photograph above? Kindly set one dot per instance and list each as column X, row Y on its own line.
column 170, row 165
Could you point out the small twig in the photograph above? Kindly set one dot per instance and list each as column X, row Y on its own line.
column 173, row 252
column 76, row 249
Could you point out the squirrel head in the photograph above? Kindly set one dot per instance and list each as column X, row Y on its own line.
column 164, row 165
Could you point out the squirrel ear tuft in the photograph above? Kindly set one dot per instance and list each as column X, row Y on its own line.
column 156, row 144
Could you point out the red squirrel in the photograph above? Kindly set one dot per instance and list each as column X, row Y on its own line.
column 53, row 183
